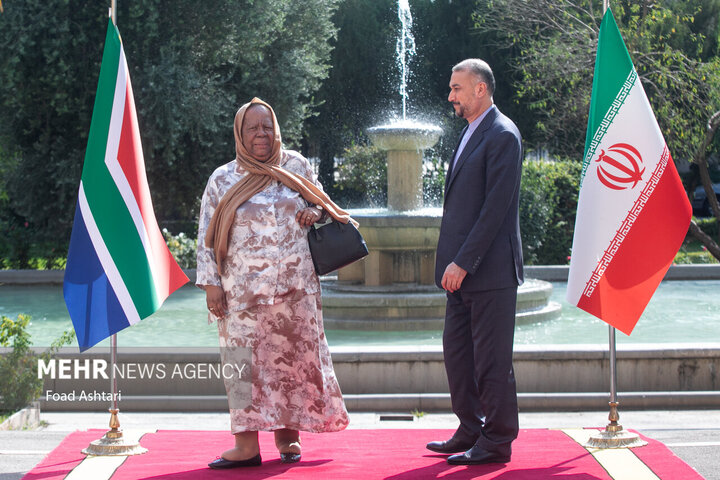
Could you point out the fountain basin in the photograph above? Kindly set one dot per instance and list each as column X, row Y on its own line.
column 402, row 248
column 393, row 288
column 407, row 135
column 404, row 142
column 416, row 307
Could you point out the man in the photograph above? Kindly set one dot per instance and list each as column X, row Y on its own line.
column 479, row 264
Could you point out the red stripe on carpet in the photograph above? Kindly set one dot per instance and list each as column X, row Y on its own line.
column 65, row 457
column 661, row 460
column 354, row 454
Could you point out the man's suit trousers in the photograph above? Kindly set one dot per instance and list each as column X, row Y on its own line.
column 478, row 346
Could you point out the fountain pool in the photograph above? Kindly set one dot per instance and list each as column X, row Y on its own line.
column 680, row 312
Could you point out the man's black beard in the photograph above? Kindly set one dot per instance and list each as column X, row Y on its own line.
column 460, row 113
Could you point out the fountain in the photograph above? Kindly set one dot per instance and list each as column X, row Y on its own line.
column 393, row 288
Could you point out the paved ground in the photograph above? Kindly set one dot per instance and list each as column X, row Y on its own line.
column 692, row 435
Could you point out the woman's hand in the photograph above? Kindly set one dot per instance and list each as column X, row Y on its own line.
column 215, row 298
column 308, row 216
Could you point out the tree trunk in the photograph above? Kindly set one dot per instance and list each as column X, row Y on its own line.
column 701, row 162
column 706, row 239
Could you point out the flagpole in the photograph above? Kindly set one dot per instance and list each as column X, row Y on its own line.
column 614, row 415
column 613, row 436
column 113, row 443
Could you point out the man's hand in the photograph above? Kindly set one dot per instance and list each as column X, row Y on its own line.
column 453, row 277
column 215, row 298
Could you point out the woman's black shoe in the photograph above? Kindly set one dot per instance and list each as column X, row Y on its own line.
column 221, row 463
column 290, row 457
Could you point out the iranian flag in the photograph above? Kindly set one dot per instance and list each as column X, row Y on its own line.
column 119, row 269
column 633, row 212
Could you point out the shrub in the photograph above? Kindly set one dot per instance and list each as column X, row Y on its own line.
column 182, row 248
column 708, row 225
column 19, row 383
column 548, row 203
column 361, row 178
column 685, row 257
column 433, row 178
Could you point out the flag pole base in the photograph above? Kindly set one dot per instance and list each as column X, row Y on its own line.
column 614, row 436
column 113, row 443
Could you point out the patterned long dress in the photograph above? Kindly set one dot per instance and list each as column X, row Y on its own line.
column 273, row 297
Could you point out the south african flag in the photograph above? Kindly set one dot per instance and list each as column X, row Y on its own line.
column 119, row 269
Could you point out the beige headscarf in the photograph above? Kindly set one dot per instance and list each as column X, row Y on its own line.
column 260, row 175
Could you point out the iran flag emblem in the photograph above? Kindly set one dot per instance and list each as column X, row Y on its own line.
column 620, row 167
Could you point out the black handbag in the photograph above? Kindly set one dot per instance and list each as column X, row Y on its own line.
column 335, row 245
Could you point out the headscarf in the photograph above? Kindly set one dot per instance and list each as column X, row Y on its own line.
column 260, row 176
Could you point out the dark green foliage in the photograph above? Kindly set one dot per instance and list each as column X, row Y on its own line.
column 355, row 95
column 192, row 65
column 551, row 46
column 548, row 202
column 362, row 178
column 49, row 61
column 329, row 69
column 362, row 88
column 434, row 170
column 182, row 247
column 19, row 382
column 708, row 225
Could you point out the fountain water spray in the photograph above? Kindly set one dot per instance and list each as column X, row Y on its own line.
column 404, row 140
column 405, row 49
column 393, row 287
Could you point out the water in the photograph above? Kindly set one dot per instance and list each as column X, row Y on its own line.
column 680, row 312
column 402, row 125
column 405, row 49
column 384, row 212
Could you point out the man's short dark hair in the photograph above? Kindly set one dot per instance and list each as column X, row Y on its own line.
column 480, row 69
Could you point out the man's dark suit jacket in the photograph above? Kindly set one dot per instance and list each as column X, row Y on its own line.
column 480, row 229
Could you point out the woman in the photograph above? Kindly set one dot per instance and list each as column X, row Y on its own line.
column 255, row 267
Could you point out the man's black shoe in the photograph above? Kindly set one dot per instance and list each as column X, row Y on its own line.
column 450, row 446
column 477, row 456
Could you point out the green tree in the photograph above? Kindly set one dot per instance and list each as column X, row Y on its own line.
column 553, row 43
column 211, row 60
column 700, row 160
column 47, row 51
column 356, row 95
column 361, row 89
column 191, row 66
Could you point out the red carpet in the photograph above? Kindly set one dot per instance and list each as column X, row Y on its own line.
column 355, row 454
